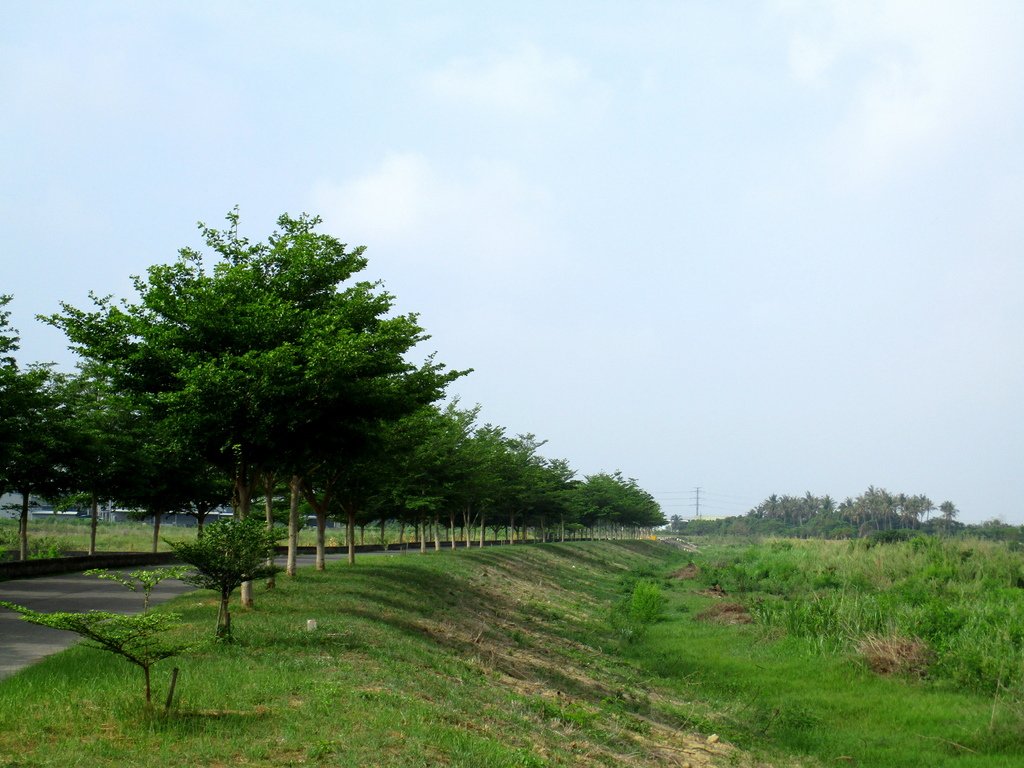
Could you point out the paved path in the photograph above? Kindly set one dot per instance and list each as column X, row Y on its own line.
column 23, row 643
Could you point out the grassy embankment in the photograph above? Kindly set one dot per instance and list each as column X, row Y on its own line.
column 503, row 657
column 495, row 657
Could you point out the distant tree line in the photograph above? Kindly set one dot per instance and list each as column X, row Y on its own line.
column 876, row 512
column 270, row 379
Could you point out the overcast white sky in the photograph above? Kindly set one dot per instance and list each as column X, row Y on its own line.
column 751, row 247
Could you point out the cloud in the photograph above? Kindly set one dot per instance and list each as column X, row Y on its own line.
column 916, row 77
column 527, row 82
column 483, row 213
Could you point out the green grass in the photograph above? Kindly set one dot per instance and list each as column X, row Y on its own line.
column 772, row 695
column 54, row 537
column 510, row 656
column 963, row 600
column 500, row 657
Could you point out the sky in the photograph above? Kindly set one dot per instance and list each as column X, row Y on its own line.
column 746, row 247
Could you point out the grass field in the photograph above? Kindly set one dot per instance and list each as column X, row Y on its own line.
column 946, row 609
column 780, row 689
column 585, row 654
column 54, row 537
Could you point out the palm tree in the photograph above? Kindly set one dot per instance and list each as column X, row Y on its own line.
column 949, row 513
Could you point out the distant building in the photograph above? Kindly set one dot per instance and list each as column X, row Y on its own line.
column 10, row 506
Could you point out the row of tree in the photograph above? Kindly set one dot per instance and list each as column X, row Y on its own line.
column 876, row 510
column 273, row 374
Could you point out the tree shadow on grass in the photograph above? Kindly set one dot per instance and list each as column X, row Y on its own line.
column 192, row 722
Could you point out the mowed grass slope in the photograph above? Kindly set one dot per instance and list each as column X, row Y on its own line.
column 495, row 657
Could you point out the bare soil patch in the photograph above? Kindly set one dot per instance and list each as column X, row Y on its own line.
column 691, row 571
column 895, row 655
column 726, row 613
column 715, row 590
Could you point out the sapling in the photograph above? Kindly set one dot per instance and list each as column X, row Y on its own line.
column 230, row 552
column 148, row 580
column 135, row 638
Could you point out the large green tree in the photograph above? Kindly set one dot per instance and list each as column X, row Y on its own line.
column 269, row 360
column 105, row 434
column 9, row 391
column 220, row 349
column 37, row 456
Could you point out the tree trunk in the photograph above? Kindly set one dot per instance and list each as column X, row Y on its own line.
column 511, row 527
column 268, row 509
column 437, row 534
column 561, row 529
column 23, row 528
column 468, row 527
column 243, row 503
column 422, row 535
column 483, row 528
column 383, row 535
column 293, row 525
column 321, row 536
column 156, row 529
column 401, row 532
column 224, row 618
column 94, row 519
column 451, row 529
column 350, row 532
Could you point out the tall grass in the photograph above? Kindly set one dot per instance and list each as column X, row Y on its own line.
column 57, row 536
column 963, row 599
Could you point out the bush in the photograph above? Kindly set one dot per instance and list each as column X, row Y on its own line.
column 39, row 547
column 892, row 537
column 646, row 603
column 643, row 607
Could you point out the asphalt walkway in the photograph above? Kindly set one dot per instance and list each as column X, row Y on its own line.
column 23, row 643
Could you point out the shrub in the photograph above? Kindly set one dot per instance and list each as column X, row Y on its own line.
column 893, row 536
column 646, row 603
column 631, row 617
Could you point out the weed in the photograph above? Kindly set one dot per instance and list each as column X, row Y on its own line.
column 631, row 616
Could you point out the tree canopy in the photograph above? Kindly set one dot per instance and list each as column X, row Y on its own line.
column 267, row 365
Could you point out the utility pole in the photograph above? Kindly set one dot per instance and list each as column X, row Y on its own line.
column 696, row 492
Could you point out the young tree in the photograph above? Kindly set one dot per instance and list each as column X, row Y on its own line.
column 135, row 638
column 146, row 580
column 229, row 553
